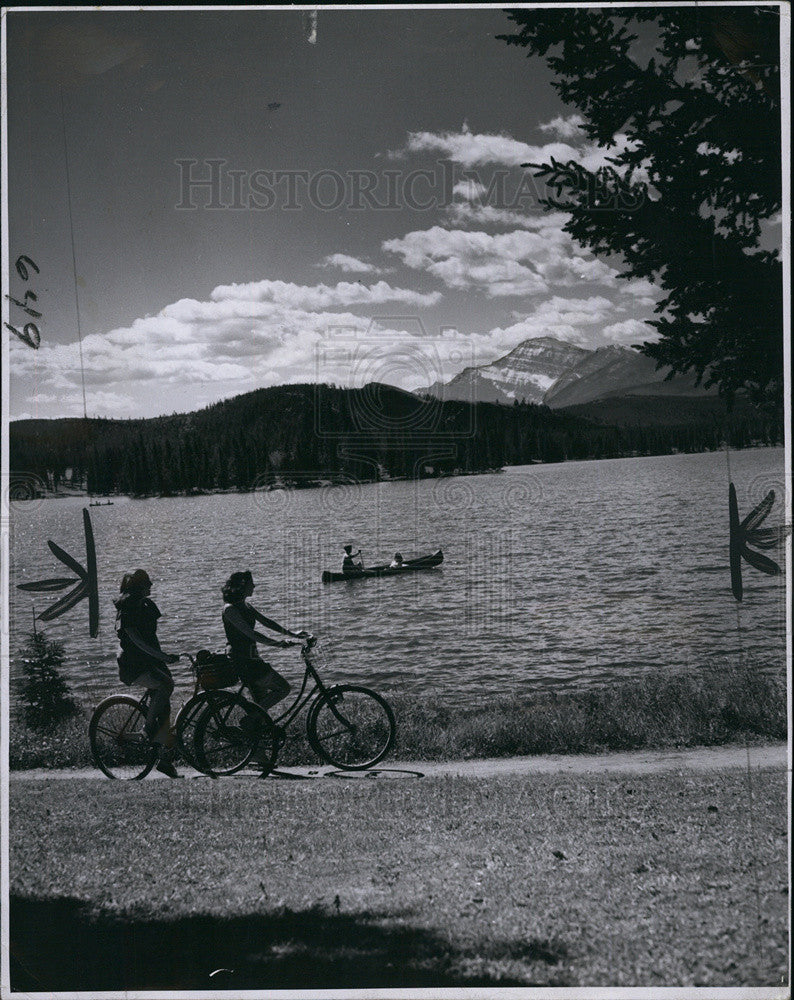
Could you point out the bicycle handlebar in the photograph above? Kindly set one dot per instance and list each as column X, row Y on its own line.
column 309, row 643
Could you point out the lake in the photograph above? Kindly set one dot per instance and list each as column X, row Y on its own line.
column 554, row 576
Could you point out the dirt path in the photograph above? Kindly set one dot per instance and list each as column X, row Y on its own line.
column 645, row 762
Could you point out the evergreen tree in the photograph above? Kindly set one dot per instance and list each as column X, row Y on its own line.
column 44, row 692
column 695, row 177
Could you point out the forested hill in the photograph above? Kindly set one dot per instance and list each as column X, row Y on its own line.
column 311, row 432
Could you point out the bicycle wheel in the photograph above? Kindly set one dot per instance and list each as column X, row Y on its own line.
column 185, row 726
column 230, row 732
column 119, row 745
column 351, row 727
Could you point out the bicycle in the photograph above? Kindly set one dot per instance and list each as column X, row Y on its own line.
column 347, row 725
column 121, row 749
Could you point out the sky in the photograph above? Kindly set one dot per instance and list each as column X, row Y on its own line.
column 364, row 215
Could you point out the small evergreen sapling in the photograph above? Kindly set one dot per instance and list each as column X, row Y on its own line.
column 45, row 693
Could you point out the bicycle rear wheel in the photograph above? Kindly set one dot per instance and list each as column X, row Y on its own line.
column 230, row 733
column 119, row 746
column 351, row 727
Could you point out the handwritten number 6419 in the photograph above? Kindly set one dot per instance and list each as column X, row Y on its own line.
column 22, row 270
column 29, row 334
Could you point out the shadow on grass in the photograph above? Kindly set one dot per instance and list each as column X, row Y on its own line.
column 62, row 944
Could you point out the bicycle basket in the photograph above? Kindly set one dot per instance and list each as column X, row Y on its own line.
column 216, row 671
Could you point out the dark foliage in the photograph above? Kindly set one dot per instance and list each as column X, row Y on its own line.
column 300, row 434
column 43, row 691
column 693, row 181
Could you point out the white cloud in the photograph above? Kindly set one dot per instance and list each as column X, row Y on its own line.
column 629, row 331
column 521, row 262
column 43, row 397
column 641, row 288
column 348, row 264
column 193, row 351
column 472, row 213
column 476, row 150
column 469, row 189
column 577, row 321
column 593, row 309
column 564, row 128
column 283, row 293
column 98, row 402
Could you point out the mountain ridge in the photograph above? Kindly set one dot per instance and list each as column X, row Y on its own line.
column 552, row 372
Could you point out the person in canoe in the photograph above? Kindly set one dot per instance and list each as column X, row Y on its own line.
column 351, row 562
column 267, row 685
column 397, row 562
column 142, row 661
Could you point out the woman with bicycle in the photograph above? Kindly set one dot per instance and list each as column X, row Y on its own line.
column 143, row 662
column 267, row 685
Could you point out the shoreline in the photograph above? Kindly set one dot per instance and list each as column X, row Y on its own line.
column 721, row 707
column 279, row 484
column 324, row 483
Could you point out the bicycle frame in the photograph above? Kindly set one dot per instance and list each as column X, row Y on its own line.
column 319, row 690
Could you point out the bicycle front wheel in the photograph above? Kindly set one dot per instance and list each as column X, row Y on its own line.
column 186, row 722
column 230, row 733
column 351, row 727
column 119, row 746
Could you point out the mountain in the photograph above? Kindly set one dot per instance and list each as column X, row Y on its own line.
column 611, row 371
column 301, row 433
column 550, row 371
column 526, row 373
column 307, row 434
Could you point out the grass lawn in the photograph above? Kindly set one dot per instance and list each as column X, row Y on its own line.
column 544, row 880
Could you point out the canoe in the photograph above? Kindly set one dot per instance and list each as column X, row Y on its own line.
column 423, row 562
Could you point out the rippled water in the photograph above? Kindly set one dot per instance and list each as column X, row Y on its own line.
column 554, row 575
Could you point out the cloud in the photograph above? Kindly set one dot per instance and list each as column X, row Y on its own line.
column 577, row 321
column 641, row 288
column 564, row 128
column 476, row 150
column 195, row 351
column 70, row 402
column 468, row 213
column 469, row 189
column 630, row 331
column 345, row 293
column 349, row 264
column 521, row 262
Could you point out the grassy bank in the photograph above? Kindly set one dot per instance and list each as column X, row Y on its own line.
column 551, row 881
column 655, row 712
